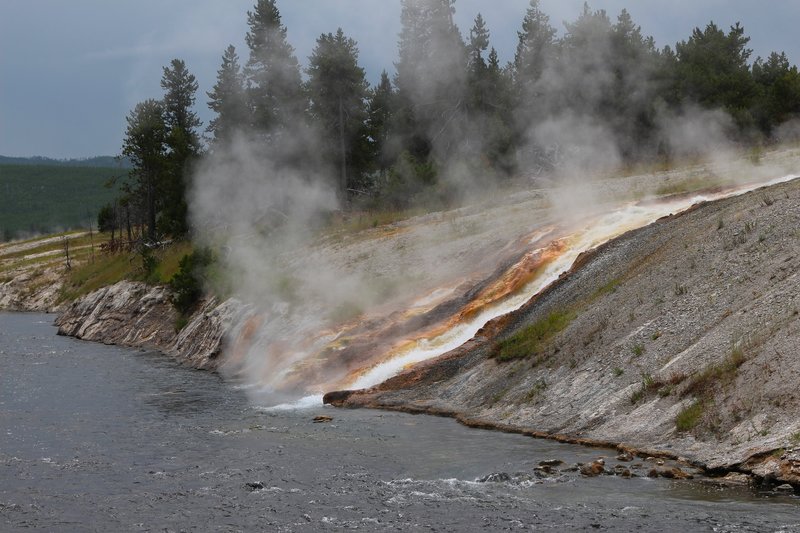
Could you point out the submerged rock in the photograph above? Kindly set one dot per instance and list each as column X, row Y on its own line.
column 254, row 485
column 551, row 462
column 497, row 477
column 322, row 418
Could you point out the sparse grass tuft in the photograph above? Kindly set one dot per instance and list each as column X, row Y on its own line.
column 608, row 288
column 690, row 416
column 649, row 385
column 637, row 350
column 618, row 372
column 703, row 383
column 536, row 390
column 688, row 185
column 532, row 340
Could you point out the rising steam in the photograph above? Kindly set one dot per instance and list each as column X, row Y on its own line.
column 309, row 291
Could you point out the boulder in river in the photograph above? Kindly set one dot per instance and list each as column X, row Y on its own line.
column 595, row 468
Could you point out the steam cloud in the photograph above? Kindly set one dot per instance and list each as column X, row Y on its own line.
column 301, row 284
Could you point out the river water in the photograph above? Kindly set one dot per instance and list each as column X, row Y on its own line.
column 102, row 438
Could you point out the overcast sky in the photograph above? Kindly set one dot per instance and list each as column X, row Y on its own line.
column 70, row 70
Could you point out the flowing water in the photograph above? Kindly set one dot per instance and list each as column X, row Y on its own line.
column 101, row 438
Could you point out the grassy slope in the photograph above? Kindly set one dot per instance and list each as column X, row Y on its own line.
column 42, row 198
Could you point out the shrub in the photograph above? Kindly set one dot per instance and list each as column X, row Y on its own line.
column 187, row 284
column 689, row 417
column 149, row 265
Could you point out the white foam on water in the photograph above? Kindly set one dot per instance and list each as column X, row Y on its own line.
column 306, row 402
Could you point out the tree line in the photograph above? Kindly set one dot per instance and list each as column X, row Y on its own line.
column 450, row 111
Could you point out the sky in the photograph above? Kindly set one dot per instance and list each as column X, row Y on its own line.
column 71, row 70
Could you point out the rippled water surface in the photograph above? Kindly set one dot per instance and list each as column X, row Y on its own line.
column 101, row 438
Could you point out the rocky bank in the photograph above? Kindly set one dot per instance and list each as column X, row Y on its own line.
column 683, row 341
column 137, row 315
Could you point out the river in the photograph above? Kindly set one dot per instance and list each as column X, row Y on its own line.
column 102, row 438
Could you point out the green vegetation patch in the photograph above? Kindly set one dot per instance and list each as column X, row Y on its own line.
column 688, row 185
column 157, row 267
column 43, row 198
column 690, row 416
column 532, row 340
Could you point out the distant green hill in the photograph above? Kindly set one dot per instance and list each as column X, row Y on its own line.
column 44, row 198
column 105, row 161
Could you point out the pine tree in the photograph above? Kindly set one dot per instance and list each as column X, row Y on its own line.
column 179, row 87
column 489, row 103
column 183, row 142
column 779, row 91
column 584, row 75
column 535, row 48
column 145, row 145
column 274, row 87
column 633, row 89
column 379, row 119
column 338, row 91
column 227, row 99
column 713, row 70
column 431, row 77
column 477, row 70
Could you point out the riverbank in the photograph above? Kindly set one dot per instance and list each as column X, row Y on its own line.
column 676, row 340
column 681, row 342
column 94, row 434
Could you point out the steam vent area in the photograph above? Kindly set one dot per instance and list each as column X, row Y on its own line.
column 654, row 312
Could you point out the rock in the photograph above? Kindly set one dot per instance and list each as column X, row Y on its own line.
column 669, row 473
column 551, row 462
column 785, row 488
column 622, row 471
column 674, row 473
column 322, row 418
column 255, row 485
column 625, row 457
column 593, row 469
column 497, row 477
column 737, row 478
column 733, row 479
column 547, row 470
